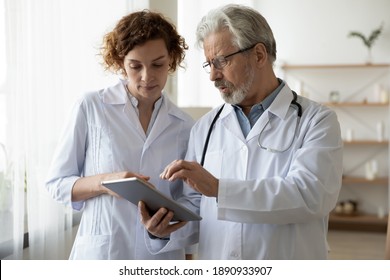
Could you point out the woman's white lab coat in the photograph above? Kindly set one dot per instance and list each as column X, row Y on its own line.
column 104, row 135
column 270, row 205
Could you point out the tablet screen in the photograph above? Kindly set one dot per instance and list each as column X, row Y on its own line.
column 135, row 190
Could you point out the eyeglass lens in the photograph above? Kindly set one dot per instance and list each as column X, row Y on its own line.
column 220, row 61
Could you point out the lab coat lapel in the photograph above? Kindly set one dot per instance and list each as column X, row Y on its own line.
column 134, row 122
column 278, row 108
column 230, row 122
column 259, row 126
column 117, row 96
column 163, row 120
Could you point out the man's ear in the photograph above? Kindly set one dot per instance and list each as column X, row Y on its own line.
column 261, row 54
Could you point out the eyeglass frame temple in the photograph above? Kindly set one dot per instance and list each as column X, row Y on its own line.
column 208, row 63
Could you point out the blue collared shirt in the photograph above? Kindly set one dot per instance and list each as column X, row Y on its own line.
column 247, row 122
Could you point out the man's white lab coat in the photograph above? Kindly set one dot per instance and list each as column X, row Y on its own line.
column 270, row 205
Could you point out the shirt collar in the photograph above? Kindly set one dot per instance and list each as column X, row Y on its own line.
column 134, row 101
column 263, row 105
column 270, row 98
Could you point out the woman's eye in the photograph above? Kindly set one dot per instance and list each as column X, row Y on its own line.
column 139, row 67
column 135, row 67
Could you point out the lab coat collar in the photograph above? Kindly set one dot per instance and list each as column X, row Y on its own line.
column 281, row 103
column 168, row 114
column 279, row 108
column 116, row 94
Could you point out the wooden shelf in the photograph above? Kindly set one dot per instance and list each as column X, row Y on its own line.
column 356, row 104
column 334, row 66
column 366, row 142
column 359, row 222
column 361, row 180
column 351, row 104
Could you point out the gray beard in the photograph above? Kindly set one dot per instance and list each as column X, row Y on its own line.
column 237, row 95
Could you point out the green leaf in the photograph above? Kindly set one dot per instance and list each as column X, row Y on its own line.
column 374, row 35
column 367, row 41
column 361, row 36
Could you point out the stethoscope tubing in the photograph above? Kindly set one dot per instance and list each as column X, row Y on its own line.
column 206, row 144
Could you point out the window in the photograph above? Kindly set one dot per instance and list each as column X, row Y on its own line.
column 3, row 64
column 3, row 69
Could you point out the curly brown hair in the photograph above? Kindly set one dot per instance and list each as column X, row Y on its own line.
column 136, row 29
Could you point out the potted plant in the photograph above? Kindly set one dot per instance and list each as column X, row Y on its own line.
column 368, row 41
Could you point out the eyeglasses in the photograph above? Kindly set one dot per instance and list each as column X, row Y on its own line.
column 220, row 61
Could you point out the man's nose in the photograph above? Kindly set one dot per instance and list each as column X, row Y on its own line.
column 215, row 73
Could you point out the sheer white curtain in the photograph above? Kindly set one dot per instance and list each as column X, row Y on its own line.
column 52, row 58
column 194, row 86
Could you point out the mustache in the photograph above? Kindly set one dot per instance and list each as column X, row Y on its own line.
column 221, row 83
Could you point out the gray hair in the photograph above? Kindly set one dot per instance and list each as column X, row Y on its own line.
column 247, row 26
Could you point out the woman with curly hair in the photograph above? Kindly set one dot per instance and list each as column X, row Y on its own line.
column 126, row 130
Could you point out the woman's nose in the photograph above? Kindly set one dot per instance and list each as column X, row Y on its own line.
column 147, row 75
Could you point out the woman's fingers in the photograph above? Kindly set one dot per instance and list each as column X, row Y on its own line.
column 160, row 224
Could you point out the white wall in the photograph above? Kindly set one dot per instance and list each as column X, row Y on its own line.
column 315, row 31
column 306, row 32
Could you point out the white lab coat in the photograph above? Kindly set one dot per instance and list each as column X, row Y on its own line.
column 104, row 135
column 270, row 205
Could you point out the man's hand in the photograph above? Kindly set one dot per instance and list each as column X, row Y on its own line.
column 159, row 224
column 194, row 175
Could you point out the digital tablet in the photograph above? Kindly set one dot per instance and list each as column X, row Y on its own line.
column 134, row 190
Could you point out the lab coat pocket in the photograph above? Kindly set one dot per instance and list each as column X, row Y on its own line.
column 91, row 247
column 213, row 163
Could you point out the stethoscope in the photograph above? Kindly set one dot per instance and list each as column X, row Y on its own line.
column 259, row 139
